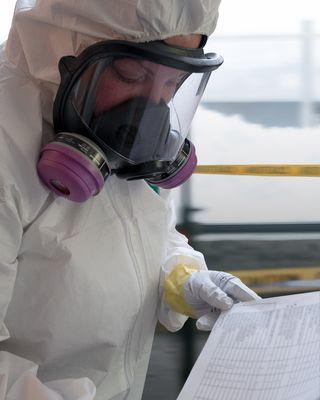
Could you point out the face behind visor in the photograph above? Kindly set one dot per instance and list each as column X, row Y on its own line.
column 124, row 108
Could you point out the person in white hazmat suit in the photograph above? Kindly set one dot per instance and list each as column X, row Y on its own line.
column 89, row 255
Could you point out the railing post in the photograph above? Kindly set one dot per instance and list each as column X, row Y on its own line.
column 307, row 74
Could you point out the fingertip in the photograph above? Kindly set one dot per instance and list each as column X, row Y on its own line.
column 226, row 303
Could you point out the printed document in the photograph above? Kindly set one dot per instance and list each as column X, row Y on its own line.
column 267, row 349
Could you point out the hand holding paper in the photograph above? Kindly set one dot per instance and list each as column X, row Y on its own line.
column 204, row 294
column 210, row 292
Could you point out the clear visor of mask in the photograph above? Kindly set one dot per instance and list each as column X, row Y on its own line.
column 137, row 110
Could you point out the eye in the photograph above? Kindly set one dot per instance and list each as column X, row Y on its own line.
column 129, row 71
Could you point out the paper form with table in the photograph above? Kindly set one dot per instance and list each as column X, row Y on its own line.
column 261, row 350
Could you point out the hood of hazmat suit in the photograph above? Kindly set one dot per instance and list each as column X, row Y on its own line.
column 79, row 283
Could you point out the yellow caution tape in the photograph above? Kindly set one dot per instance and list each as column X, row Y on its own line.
column 272, row 280
column 261, row 169
column 272, row 275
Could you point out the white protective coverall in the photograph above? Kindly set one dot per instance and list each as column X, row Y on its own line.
column 79, row 282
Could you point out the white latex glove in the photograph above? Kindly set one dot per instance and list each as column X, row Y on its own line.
column 210, row 292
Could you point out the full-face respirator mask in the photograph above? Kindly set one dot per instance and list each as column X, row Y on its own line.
column 124, row 108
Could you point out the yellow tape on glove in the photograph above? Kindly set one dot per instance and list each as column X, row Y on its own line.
column 311, row 170
column 173, row 289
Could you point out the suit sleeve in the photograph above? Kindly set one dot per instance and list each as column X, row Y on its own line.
column 178, row 252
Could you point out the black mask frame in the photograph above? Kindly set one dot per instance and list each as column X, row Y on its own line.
column 66, row 118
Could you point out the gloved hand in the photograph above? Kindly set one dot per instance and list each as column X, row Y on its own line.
column 204, row 294
column 210, row 292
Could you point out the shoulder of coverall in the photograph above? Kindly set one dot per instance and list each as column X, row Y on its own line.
column 21, row 134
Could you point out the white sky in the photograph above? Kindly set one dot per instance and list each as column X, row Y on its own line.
column 272, row 16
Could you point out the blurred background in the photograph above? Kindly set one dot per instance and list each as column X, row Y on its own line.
column 261, row 106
